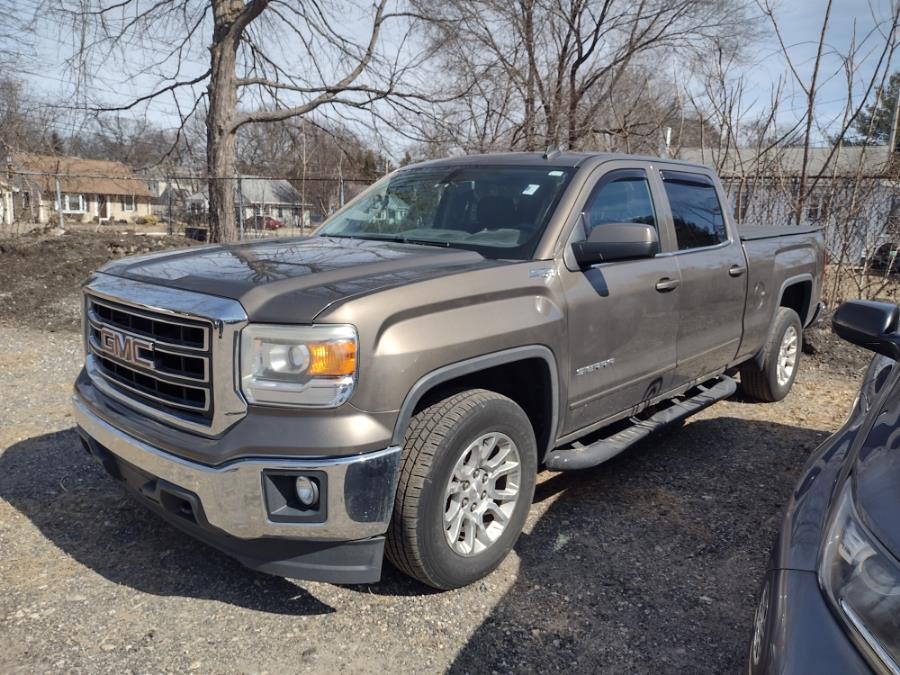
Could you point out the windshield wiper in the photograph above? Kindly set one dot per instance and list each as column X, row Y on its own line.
column 413, row 240
column 394, row 238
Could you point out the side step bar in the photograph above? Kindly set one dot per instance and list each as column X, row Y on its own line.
column 579, row 456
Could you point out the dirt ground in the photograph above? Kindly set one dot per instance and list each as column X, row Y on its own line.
column 41, row 274
column 649, row 563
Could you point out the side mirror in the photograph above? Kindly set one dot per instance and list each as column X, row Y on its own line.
column 616, row 241
column 872, row 325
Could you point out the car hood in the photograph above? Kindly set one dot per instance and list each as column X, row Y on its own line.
column 294, row 280
column 877, row 474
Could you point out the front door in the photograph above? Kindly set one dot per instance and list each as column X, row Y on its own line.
column 713, row 276
column 622, row 328
column 103, row 207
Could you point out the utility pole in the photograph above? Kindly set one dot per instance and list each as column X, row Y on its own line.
column 892, row 144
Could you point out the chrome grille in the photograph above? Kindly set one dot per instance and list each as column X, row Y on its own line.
column 168, row 353
column 173, row 374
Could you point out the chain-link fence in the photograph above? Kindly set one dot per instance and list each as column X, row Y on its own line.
column 860, row 215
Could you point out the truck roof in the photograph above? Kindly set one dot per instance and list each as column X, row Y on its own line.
column 558, row 159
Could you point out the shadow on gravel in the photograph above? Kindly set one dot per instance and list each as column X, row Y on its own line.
column 55, row 484
column 651, row 562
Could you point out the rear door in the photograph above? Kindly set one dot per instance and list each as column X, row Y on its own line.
column 621, row 327
column 713, row 273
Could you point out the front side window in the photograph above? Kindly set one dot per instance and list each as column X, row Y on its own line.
column 621, row 197
column 696, row 211
column 128, row 202
column 499, row 211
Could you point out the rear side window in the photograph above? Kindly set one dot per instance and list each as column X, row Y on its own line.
column 621, row 197
column 696, row 211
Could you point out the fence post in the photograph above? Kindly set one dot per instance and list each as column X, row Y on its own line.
column 240, row 192
column 170, row 227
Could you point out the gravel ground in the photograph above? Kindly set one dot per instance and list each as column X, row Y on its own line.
column 649, row 563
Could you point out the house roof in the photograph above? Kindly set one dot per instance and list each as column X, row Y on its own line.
column 78, row 175
column 260, row 191
column 268, row 191
column 847, row 161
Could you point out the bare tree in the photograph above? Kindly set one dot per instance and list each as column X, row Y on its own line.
column 268, row 61
column 554, row 65
column 788, row 164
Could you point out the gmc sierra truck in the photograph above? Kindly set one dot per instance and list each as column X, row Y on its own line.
column 392, row 384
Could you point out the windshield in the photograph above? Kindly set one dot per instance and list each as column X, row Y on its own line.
column 500, row 212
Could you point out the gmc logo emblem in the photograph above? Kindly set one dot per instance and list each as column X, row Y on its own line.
column 126, row 347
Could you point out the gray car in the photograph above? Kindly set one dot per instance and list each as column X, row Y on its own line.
column 831, row 599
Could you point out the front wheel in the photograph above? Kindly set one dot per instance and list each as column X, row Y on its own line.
column 466, row 484
column 771, row 377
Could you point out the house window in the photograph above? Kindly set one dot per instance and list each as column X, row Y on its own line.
column 72, row 203
column 128, row 202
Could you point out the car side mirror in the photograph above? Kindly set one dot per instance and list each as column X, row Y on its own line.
column 616, row 241
column 869, row 324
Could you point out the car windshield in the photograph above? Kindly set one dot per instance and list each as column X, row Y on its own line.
column 499, row 211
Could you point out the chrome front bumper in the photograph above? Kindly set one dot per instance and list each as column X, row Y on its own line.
column 232, row 495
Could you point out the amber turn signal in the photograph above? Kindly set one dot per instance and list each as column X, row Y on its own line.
column 332, row 359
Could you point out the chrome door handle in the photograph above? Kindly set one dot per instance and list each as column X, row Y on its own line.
column 736, row 270
column 666, row 284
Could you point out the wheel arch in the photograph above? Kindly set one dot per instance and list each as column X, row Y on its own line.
column 796, row 293
column 504, row 372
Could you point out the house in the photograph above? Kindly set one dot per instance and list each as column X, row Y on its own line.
column 852, row 192
column 85, row 190
column 261, row 197
column 172, row 187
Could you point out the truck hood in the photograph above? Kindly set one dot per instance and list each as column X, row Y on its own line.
column 294, row 280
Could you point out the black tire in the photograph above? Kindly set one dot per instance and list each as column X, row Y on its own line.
column 435, row 440
column 762, row 382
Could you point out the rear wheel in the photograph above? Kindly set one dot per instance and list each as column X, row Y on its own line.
column 466, row 483
column 771, row 377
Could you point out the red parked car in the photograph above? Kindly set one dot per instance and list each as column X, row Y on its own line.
column 263, row 223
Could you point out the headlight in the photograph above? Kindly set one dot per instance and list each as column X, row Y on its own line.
column 862, row 581
column 311, row 366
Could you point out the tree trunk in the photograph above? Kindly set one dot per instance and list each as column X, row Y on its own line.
column 528, row 11
column 220, row 131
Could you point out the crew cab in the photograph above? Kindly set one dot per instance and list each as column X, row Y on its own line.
column 392, row 384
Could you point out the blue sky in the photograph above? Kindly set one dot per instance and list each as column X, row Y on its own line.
column 800, row 21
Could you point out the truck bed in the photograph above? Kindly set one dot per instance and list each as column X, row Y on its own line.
column 776, row 257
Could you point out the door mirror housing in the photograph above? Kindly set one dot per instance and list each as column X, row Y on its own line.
column 869, row 324
column 616, row 241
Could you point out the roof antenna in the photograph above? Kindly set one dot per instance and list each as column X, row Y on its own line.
column 551, row 151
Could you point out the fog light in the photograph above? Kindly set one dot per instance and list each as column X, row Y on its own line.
column 307, row 491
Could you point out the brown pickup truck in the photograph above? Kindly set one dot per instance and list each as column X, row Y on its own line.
column 392, row 384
